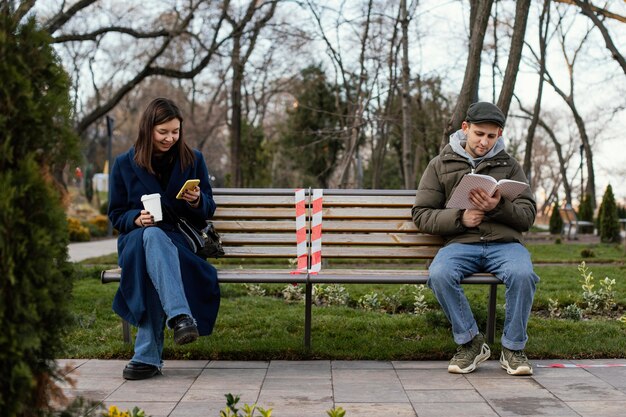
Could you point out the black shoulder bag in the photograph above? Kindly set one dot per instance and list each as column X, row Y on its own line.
column 205, row 242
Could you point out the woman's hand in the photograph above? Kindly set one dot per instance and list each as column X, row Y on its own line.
column 192, row 196
column 145, row 219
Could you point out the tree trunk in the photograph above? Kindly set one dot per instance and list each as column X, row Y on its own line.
column 515, row 55
column 472, row 68
column 407, row 145
column 544, row 22
column 235, row 116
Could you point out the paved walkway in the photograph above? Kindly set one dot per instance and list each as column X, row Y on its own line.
column 362, row 388
column 79, row 251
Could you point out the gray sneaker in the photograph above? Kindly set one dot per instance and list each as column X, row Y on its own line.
column 515, row 362
column 469, row 355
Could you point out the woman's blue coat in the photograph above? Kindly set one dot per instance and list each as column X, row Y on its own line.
column 128, row 183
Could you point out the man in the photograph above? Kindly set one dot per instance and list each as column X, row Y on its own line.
column 487, row 238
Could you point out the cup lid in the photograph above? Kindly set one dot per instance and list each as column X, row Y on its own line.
column 150, row 196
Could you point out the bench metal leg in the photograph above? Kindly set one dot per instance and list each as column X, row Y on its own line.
column 126, row 331
column 491, row 313
column 308, row 301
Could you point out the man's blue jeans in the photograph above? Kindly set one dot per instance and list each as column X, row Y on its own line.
column 509, row 262
column 163, row 268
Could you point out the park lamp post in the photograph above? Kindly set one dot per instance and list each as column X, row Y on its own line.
column 582, row 174
column 110, row 124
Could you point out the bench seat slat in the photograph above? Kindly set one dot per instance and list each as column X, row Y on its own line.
column 233, row 276
column 389, row 276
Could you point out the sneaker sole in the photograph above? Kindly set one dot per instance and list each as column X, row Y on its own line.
column 484, row 354
column 521, row 370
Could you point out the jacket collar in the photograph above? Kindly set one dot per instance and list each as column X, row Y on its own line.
column 151, row 182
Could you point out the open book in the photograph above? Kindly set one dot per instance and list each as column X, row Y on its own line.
column 509, row 189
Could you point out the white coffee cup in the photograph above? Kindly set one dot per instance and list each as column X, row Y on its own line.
column 152, row 203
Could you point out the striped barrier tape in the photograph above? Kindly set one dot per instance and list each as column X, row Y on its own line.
column 582, row 365
column 301, row 243
column 316, row 231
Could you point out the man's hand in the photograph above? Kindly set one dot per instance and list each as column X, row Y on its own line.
column 472, row 218
column 482, row 201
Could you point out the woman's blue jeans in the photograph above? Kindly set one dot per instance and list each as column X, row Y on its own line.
column 167, row 302
column 509, row 262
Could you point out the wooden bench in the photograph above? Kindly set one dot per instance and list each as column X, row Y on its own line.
column 358, row 226
column 570, row 220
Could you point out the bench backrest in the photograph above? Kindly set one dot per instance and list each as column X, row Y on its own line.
column 256, row 222
column 366, row 224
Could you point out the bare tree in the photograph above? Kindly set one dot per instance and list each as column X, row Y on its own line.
column 569, row 99
column 544, row 23
column 589, row 11
column 243, row 43
column 479, row 18
column 154, row 49
column 407, row 142
column 522, row 8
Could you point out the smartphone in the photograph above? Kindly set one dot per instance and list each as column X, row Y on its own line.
column 188, row 185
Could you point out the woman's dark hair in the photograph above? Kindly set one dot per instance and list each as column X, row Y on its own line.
column 159, row 111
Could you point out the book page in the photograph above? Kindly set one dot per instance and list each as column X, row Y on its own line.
column 460, row 196
column 509, row 189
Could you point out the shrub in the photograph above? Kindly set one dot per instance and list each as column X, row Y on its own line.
column 587, row 253
column 77, row 232
column 608, row 223
column 35, row 276
column 98, row 226
column 556, row 222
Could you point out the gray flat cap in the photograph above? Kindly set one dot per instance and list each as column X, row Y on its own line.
column 482, row 112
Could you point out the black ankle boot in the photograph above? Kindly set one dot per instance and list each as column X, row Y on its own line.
column 185, row 330
column 136, row 371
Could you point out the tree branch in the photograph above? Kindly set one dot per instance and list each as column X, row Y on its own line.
column 62, row 17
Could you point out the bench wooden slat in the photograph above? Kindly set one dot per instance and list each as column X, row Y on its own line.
column 232, row 276
column 384, row 239
column 369, row 213
column 223, row 226
column 260, row 251
column 368, row 201
column 254, row 213
column 360, row 226
column 342, row 252
column 381, row 276
column 254, row 201
column 259, row 238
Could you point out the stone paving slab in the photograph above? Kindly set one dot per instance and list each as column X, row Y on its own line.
column 363, row 388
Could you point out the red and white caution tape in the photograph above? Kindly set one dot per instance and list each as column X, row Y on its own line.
column 582, row 365
column 316, row 231
column 301, row 243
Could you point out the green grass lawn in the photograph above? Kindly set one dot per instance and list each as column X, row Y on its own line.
column 255, row 327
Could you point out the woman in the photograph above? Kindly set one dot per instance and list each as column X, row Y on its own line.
column 163, row 282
